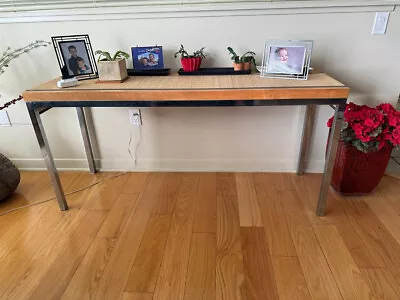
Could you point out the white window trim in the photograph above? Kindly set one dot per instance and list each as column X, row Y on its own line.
column 187, row 10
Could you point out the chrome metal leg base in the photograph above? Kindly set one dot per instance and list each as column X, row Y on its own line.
column 86, row 139
column 308, row 126
column 34, row 113
column 330, row 158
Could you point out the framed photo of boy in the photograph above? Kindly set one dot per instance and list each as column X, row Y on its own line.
column 147, row 58
column 287, row 59
column 75, row 56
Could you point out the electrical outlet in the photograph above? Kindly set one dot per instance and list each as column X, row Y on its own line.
column 380, row 23
column 4, row 119
column 136, row 117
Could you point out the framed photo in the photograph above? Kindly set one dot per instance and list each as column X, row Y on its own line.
column 75, row 56
column 147, row 58
column 287, row 59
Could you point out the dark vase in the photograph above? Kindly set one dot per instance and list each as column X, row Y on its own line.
column 9, row 177
column 356, row 172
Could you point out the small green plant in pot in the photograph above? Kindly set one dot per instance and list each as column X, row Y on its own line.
column 112, row 68
column 243, row 62
column 189, row 62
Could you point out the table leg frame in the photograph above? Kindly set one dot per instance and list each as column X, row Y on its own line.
column 86, row 139
column 37, row 124
column 308, row 127
column 35, row 110
column 330, row 158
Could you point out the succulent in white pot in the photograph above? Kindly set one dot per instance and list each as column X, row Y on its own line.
column 112, row 68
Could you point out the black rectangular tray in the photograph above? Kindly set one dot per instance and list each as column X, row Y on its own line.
column 214, row 71
column 154, row 72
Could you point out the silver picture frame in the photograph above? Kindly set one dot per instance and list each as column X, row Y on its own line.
column 288, row 59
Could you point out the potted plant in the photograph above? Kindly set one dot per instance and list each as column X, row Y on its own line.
column 192, row 62
column 242, row 62
column 367, row 138
column 9, row 173
column 112, row 68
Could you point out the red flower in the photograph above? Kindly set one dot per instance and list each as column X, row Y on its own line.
column 369, row 122
column 392, row 121
column 365, row 139
column 375, row 126
column 386, row 107
column 330, row 122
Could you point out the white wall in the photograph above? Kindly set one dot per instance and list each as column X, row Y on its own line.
column 262, row 138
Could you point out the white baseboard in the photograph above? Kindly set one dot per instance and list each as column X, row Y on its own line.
column 200, row 165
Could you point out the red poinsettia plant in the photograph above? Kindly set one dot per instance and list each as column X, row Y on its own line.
column 370, row 128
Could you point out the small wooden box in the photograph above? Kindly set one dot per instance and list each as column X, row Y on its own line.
column 113, row 70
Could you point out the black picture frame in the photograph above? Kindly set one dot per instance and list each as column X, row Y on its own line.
column 59, row 41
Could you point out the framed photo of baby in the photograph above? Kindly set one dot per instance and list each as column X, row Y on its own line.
column 287, row 59
column 75, row 56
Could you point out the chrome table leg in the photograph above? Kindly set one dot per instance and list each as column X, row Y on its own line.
column 86, row 139
column 34, row 113
column 308, row 126
column 330, row 158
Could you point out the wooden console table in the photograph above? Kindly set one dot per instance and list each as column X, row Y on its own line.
column 193, row 91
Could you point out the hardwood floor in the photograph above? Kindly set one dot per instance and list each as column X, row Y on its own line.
column 192, row 236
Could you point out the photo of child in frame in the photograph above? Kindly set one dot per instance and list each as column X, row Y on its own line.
column 147, row 58
column 286, row 60
column 76, row 58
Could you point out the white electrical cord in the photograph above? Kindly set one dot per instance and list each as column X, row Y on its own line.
column 70, row 193
column 134, row 158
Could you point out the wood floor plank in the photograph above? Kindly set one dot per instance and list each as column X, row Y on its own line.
column 26, row 269
column 320, row 281
column 117, row 271
column 378, row 235
column 278, row 181
column 308, row 187
column 54, row 283
column 168, row 194
column 385, row 213
column 40, row 254
column 13, row 236
column 249, row 211
column 382, row 283
column 259, row 275
column 200, row 282
column 34, row 187
column 340, row 214
column 390, row 188
column 109, row 192
column 116, row 219
column 145, row 270
column 205, row 219
column 348, row 276
column 290, row 279
column 84, row 283
column 135, row 182
column 230, row 282
column 280, row 242
column 137, row 296
column 172, row 277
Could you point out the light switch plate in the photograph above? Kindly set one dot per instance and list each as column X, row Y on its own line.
column 4, row 119
column 380, row 23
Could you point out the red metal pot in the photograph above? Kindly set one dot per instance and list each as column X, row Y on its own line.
column 356, row 172
column 191, row 64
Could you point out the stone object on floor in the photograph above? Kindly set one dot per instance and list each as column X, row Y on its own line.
column 9, row 177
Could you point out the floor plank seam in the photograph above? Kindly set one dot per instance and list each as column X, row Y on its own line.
column 83, row 256
column 296, row 248
column 162, row 256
